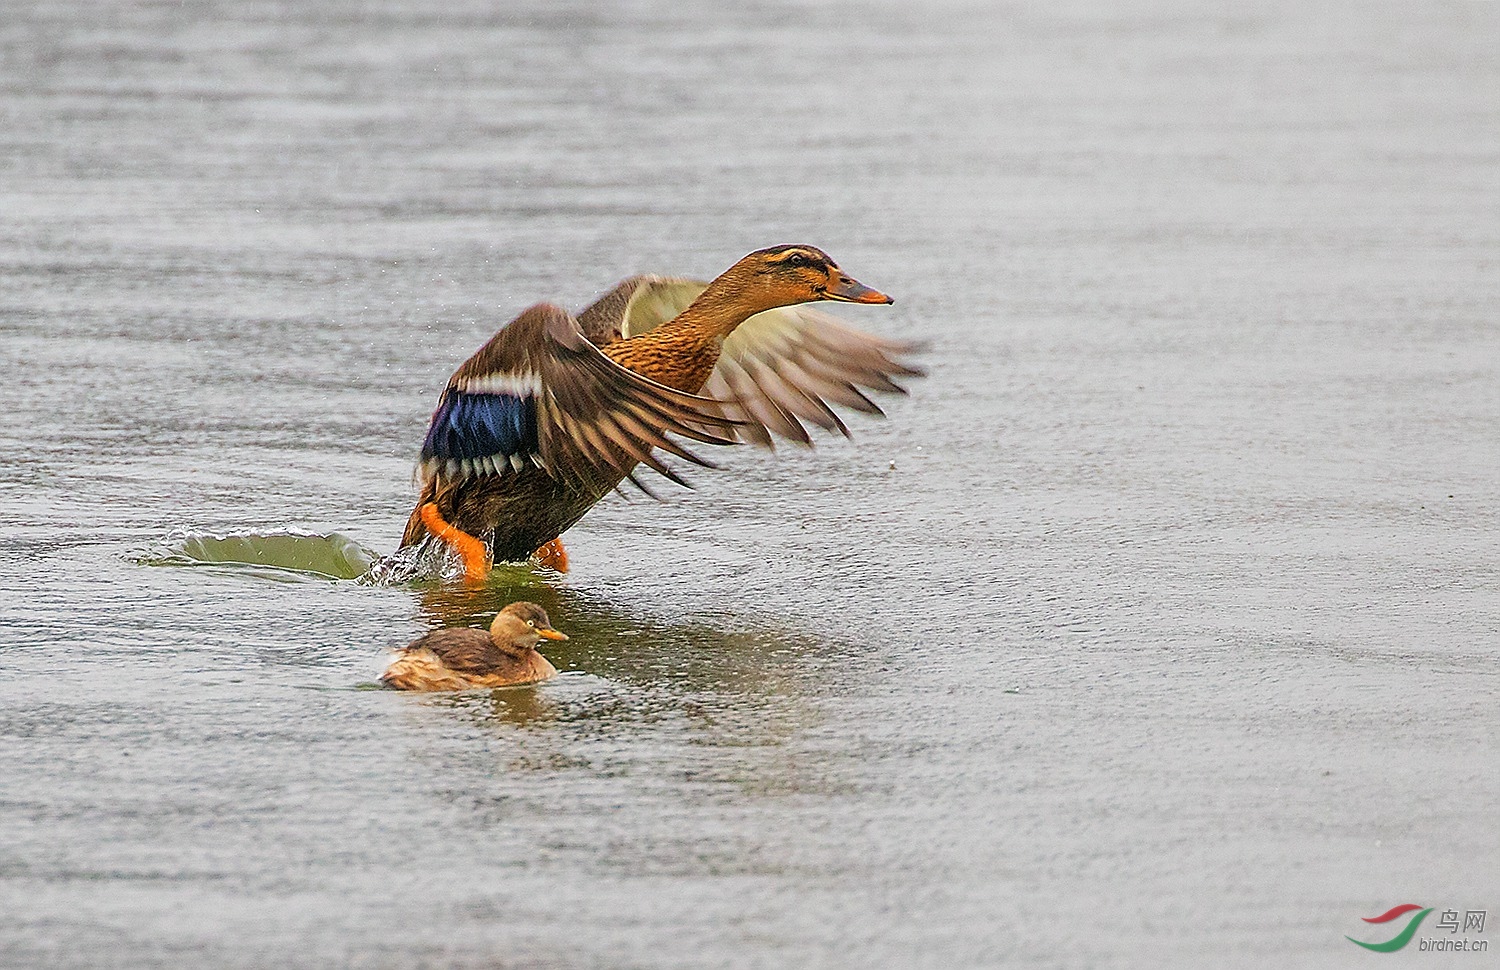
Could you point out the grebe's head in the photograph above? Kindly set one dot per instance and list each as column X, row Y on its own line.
column 524, row 625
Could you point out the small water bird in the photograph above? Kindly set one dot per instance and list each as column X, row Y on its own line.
column 554, row 411
column 505, row 655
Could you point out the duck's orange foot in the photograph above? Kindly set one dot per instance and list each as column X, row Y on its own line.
column 473, row 552
column 553, row 556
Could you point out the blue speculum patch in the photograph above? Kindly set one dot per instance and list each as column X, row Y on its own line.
column 480, row 425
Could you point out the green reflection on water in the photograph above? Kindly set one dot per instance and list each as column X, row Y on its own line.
column 607, row 638
column 715, row 703
column 723, row 654
column 707, row 683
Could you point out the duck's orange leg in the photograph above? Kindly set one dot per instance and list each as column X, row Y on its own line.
column 553, row 556
column 475, row 556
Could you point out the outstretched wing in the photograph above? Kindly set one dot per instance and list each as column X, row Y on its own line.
column 778, row 369
column 539, row 394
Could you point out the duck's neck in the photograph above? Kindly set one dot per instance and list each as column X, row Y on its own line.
column 682, row 352
column 728, row 302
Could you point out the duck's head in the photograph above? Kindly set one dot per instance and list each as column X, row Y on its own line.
column 787, row 275
column 521, row 626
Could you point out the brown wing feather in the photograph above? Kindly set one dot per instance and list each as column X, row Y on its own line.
column 466, row 650
column 594, row 419
column 595, row 392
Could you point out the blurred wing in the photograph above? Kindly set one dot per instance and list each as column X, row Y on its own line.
column 540, row 394
column 779, row 368
column 788, row 365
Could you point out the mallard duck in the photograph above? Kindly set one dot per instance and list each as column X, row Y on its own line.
column 554, row 412
column 466, row 658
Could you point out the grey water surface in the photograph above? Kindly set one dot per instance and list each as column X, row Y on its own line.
column 1157, row 627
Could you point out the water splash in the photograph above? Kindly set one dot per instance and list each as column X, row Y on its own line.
column 427, row 560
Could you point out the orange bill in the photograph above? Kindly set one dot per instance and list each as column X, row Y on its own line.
column 846, row 289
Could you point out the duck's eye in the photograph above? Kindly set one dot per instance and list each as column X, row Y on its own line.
column 797, row 259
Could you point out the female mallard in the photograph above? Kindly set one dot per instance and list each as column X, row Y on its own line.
column 555, row 412
column 463, row 659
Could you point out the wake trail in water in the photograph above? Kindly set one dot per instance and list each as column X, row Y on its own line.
column 291, row 555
